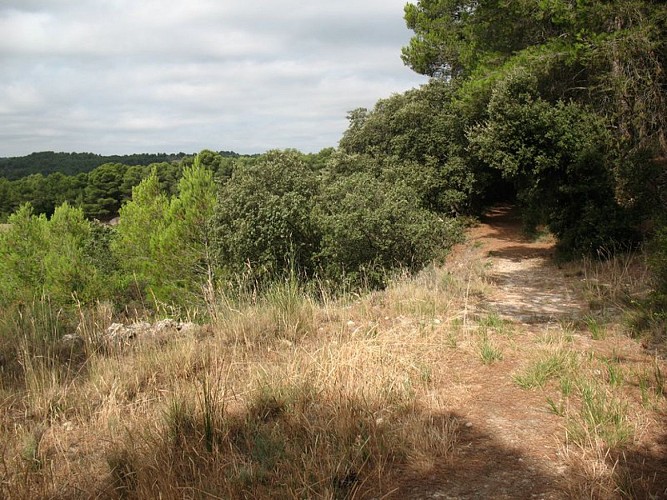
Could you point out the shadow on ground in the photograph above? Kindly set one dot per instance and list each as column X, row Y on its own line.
column 481, row 467
column 642, row 472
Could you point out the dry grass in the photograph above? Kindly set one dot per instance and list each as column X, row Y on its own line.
column 287, row 396
column 614, row 279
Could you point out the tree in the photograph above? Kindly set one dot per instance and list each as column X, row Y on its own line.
column 419, row 137
column 263, row 222
column 102, row 196
column 135, row 246
column 185, row 244
column 370, row 227
column 609, row 54
column 132, row 177
column 22, row 251
column 163, row 245
column 6, row 198
column 47, row 258
column 559, row 156
column 69, row 273
column 600, row 61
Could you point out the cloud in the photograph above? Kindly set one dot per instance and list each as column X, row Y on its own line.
column 120, row 76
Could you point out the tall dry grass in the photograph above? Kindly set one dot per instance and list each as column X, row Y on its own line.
column 287, row 395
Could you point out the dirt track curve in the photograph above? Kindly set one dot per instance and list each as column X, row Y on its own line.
column 510, row 445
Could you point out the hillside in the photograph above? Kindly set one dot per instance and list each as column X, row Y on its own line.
column 47, row 162
column 498, row 375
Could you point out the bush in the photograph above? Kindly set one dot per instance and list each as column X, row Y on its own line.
column 560, row 157
column 41, row 257
column 659, row 261
column 370, row 228
column 262, row 223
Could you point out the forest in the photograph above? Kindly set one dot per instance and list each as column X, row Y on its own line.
column 558, row 107
column 48, row 162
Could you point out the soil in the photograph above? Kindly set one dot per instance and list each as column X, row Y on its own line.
column 510, row 446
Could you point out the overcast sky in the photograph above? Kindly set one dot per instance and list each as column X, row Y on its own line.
column 124, row 76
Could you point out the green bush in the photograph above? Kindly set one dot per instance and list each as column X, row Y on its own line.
column 162, row 244
column 370, row 228
column 48, row 257
column 560, row 157
column 420, row 137
column 262, row 223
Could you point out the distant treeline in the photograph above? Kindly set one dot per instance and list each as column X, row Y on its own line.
column 99, row 190
column 47, row 162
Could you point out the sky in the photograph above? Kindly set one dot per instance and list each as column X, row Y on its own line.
column 149, row 76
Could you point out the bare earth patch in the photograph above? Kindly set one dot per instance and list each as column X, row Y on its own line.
column 513, row 443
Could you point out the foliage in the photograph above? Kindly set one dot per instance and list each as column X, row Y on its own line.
column 185, row 244
column 262, row 222
column 47, row 257
column 370, row 227
column 604, row 57
column 70, row 274
column 136, row 243
column 420, row 137
column 71, row 164
column 559, row 157
column 100, row 190
column 22, row 252
column 102, row 195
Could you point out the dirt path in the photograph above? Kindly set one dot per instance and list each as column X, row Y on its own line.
column 528, row 286
column 510, row 445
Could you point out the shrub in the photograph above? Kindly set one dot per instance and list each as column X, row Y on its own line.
column 369, row 228
column 560, row 158
column 262, row 223
column 41, row 257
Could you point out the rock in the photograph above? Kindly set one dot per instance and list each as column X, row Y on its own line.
column 120, row 335
column 71, row 341
column 166, row 324
column 189, row 328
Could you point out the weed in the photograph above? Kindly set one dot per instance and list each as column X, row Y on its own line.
column 568, row 328
column 543, row 370
column 123, row 472
column 614, row 374
column 597, row 330
column 493, row 321
column 566, row 386
column 30, row 449
column 452, row 339
column 556, row 408
column 659, row 378
column 601, row 417
column 644, row 387
column 181, row 421
column 614, row 276
column 488, row 352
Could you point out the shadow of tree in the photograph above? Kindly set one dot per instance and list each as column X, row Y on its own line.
column 641, row 471
column 482, row 467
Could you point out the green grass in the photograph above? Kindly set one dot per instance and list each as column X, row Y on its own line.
column 494, row 322
column 595, row 327
column 601, row 417
column 488, row 352
column 544, row 369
